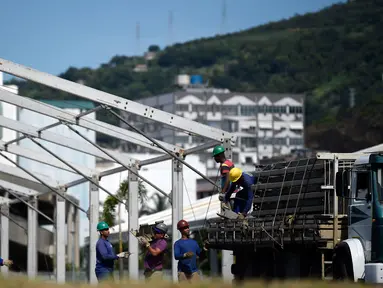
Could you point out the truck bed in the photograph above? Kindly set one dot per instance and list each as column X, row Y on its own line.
column 293, row 203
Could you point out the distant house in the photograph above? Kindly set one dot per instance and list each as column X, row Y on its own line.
column 141, row 68
column 150, row 56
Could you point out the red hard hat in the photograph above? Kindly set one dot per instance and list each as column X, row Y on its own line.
column 181, row 224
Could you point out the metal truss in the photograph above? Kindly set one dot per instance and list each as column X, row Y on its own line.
column 26, row 186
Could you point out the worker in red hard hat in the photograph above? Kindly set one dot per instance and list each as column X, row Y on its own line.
column 186, row 251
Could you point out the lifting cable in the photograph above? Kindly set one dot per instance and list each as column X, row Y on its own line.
column 191, row 206
column 173, row 155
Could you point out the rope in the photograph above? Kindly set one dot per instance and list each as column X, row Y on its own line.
column 300, row 189
column 264, row 192
column 280, row 195
column 211, row 197
column 308, row 180
column 291, row 188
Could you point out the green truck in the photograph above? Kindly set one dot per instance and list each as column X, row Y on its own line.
column 320, row 217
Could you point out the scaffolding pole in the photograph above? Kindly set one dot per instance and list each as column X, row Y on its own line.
column 93, row 217
column 133, row 225
column 177, row 208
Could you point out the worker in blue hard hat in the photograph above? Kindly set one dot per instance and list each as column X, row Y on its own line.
column 105, row 255
column 244, row 197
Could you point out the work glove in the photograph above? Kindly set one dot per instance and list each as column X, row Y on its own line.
column 241, row 216
column 221, row 197
column 188, row 254
column 143, row 241
column 7, row 263
column 123, row 255
column 206, row 245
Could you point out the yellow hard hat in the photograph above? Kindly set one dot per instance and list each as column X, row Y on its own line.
column 235, row 174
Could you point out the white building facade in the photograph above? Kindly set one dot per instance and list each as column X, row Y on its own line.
column 266, row 124
column 9, row 111
column 81, row 191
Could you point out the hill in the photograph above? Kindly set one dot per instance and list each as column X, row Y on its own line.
column 321, row 54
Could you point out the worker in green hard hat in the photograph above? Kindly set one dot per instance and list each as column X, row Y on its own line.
column 225, row 166
column 105, row 255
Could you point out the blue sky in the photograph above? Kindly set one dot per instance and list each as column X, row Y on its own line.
column 52, row 35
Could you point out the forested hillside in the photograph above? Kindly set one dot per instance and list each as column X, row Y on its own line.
column 321, row 54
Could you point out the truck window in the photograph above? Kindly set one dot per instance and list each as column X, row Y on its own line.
column 380, row 184
column 362, row 187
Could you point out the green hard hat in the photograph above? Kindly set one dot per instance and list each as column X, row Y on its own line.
column 102, row 226
column 218, row 150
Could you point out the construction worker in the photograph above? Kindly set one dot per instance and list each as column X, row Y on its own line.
column 105, row 255
column 186, row 251
column 4, row 262
column 244, row 197
column 225, row 166
column 155, row 252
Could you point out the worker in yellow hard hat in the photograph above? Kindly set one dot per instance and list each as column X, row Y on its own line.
column 242, row 182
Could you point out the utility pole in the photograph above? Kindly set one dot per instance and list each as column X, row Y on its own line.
column 138, row 38
column 223, row 19
column 170, row 28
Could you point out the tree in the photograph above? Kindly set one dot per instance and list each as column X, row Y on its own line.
column 109, row 212
column 161, row 203
column 154, row 48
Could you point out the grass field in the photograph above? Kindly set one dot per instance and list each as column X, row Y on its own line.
column 21, row 282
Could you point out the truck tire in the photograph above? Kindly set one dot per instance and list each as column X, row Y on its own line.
column 342, row 264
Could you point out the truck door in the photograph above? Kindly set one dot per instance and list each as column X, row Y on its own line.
column 361, row 209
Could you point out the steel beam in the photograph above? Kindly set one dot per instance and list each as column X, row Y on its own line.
column 91, row 124
column 131, row 169
column 186, row 152
column 227, row 255
column 32, row 240
column 177, row 208
column 133, row 225
column 61, row 140
column 4, row 235
column 39, row 179
column 42, row 158
column 30, row 206
column 18, row 189
column 111, row 100
column 19, row 177
column 60, row 239
column 173, row 155
column 93, row 216
column 76, row 170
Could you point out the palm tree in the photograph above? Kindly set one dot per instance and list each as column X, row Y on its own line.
column 161, row 203
column 109, row 213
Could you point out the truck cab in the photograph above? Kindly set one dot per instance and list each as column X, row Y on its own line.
column 360, row 256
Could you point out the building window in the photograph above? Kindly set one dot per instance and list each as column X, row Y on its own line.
column 280, row 141
column 182, row 107
column 249, row 142
column 1, row 113
column 296, row 109
column 296, row 141
column 230, row 110
column 248, row 110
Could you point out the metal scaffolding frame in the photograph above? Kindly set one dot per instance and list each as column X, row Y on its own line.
column 28, row 186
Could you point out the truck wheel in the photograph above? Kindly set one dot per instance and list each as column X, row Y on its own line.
column 342, row 265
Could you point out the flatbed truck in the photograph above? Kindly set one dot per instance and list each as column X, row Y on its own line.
column 320, row 217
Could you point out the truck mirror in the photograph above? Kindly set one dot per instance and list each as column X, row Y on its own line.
column 341, row 183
